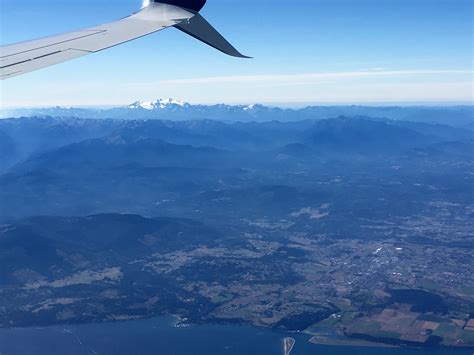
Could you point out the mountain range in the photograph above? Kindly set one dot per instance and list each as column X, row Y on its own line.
column 132, row 165
column 31, row 138
column 176, row 110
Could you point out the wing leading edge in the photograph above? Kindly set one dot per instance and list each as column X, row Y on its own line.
column 24, row 57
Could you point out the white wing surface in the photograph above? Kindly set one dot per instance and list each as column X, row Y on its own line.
column 27, row 56
column 24, row 57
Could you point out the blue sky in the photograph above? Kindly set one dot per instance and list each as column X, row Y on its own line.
column 306, row 51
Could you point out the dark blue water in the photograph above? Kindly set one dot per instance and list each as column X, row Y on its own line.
column 159, row 336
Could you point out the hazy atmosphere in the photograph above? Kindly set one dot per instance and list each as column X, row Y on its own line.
column 305, row 52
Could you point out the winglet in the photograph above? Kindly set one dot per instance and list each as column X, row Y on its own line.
column 202, row 30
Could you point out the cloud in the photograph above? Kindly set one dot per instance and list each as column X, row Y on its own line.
column 362, row 86
column 313, row 77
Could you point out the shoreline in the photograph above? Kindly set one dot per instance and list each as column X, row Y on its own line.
column 321, row 340
column 360, row 343
column 314, row 338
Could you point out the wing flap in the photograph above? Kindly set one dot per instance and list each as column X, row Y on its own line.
column 35, row 50
column 40, row 62
column 22, row 47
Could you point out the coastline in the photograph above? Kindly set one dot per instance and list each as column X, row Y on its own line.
column 321, row 340
column 177, row 321
column 360, row 343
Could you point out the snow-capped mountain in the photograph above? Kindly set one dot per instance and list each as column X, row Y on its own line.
column 157, row 104
column 167, row 109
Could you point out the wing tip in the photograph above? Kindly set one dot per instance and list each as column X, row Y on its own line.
column 244, row 56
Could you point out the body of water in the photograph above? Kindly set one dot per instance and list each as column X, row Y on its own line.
column 160, row 336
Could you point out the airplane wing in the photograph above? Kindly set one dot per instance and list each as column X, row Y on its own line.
column 24, row 57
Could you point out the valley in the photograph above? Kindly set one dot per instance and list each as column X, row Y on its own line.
column 349, row 229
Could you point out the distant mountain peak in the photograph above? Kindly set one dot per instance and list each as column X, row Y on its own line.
column 157, row 104
column 177, row 110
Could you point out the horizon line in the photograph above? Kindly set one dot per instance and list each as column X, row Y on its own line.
column 289, row 104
